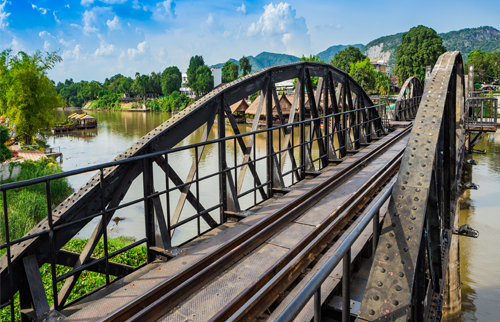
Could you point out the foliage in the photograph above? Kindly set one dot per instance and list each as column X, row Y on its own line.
column 420, row 47
column 141, row 85
column 5, row 152
column 245, row 66
column 68, row 122
column 364, row 74
column 253, row 96
column 486, row 66
column 467, row 40
column 171, row 80
column 314, row 80
column 229, row 72
column 27, row 205
column 170, row 103
column 345, row 58
column 194, row 63
column 329, row 53
column 382, row 83
column 27, row 95
column 204, row 81
column 87, row 281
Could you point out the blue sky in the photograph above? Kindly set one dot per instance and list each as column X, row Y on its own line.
column 100, row 38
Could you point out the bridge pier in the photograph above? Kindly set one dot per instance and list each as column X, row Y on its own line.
column 452, row 296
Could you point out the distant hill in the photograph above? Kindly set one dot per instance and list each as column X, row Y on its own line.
column 327, row 55
column 465, row 40
column 384, row 48
column 263, row 60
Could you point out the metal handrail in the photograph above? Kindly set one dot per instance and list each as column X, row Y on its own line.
column 313, row 287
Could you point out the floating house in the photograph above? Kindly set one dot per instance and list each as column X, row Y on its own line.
column 239, row 110
column 77, row 122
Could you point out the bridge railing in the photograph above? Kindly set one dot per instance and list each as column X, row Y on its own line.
column 481, row 113
column 406, row 109
column 159, row 224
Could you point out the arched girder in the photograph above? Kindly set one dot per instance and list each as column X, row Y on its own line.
column 417, row 229
column 412, row 88
column 87, row 200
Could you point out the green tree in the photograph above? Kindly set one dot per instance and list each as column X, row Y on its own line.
column 314, row 80
column 344, row 58
column 229, row 72
column 27, row 96
column 141, row 85
column 481, row 65
column 245, row 66
column 155, row 83
column 204, row 80
column 420, row 47
column 194, row 63
column 382, row 84
column 364, row 74
column 171, row 80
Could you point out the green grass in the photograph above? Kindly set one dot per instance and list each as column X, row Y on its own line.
column 27, row 206
column 87, row 281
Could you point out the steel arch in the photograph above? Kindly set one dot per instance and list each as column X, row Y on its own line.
column 408, row 100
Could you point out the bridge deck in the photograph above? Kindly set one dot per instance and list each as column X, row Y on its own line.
column 213, row 296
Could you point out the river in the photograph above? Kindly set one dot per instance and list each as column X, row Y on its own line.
column 119, row 130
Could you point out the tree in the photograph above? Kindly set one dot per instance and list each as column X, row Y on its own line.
column 27, row 96
column 364, row 74
column 245, row 67
column 171, row 80
column 229, row 72
column 194, row 63
column 204, row 80
column 420, row 47
column 382, row 83
column 314, row 80
column 155, row 83
column 480, row 61
column 344, row 58
column 141, row 85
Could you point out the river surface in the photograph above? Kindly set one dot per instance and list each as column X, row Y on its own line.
column 480, row 258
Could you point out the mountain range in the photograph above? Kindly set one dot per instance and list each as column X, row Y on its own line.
column 384, row 48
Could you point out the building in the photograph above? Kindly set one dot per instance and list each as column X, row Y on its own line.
column 285, row 87
column 285, row 104
column 217, row 74
column 239, row 110
column 380, row 66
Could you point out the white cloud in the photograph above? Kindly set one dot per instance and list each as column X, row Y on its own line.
column 210, row 19
column 46, row 45
column 338, row 26
column 45, row 34
column 86, row 2
column 72, row 54
column 141, row 49
column 3, row 16
column 88, row 19
column 55, row 17
column 164, row 10
column 74, row 25
column 67, row 6
column 114, row 1
column 113, row 24
column 104, row 49
column 279, row 23
column 66, row 43
column 242, row 9
column 42, row 10
column 16, row 45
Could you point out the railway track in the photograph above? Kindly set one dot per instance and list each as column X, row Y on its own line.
column 259, row 295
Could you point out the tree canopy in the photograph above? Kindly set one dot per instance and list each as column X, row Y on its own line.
column 194, row 63
column 229, row 72
column 171, row 80
column 204, row 80
column 314, row 80
column 486, row 66
column 364, row 74
column 245, row 66
column 420, row 47
column 27, row 96
column 344, row 58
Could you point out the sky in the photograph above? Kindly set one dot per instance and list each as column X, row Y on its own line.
column 100, row 38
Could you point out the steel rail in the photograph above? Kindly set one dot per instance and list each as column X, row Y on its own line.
column 169, row 293
column 302, row 254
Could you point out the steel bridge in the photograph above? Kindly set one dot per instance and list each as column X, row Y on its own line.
column 348, row 212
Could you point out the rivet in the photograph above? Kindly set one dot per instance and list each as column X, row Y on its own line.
column 382, row 270
column 419, row 183
column 405, row 249
column 376, row 297
column 395, row 302
column 403, row 188
column 423, row 165
column 372, row 312
column 414, row 208
column 413, row 217
column 409, row 163
column 391, row 235
column 417, row 189
column 379, row 283
column 401, row 274
column 398, row 288
column 421, row 174
column 401, row 197
column 416, row 198
column 410, row 228
column 388, row 245
column 408, row 237
column 411, row 155
column 407, row 173
column 405, row 182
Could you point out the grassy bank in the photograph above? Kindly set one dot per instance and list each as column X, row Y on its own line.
column 27, row 206
column 87, row 281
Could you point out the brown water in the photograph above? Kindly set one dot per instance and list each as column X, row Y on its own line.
column 117, row 131
column 480, row 258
